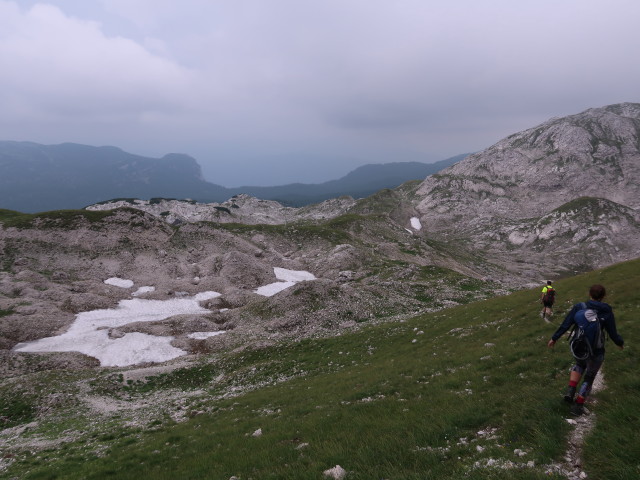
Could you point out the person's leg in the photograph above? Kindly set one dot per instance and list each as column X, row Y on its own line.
column 593, row 366
column 574, row 378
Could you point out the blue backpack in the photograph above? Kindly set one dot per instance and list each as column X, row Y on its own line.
column 587, row 334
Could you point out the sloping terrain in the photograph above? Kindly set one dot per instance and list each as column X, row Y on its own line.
column 560, row 197
column 468, row 392
column 366, row 268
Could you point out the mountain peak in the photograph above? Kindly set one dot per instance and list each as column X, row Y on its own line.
column 595, row 153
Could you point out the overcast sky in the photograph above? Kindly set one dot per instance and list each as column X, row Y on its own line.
column 266, row 92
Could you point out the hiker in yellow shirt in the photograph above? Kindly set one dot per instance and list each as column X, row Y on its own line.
column 547, row 298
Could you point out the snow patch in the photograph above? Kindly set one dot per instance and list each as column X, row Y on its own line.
column 273, row 288
column 415, row 223
column 119, row 282
column 288, row 279
column 89, row 333
column 143, row 290
column 204, row 335
column 292, row 275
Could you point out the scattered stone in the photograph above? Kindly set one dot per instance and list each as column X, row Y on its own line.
column 116, row 333
column 346, row 276
column 59, row 276
column 337, row 472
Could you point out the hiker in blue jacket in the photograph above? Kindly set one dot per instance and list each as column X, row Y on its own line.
column 592, row 364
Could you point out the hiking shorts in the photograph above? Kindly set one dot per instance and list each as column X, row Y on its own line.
column 547, row 304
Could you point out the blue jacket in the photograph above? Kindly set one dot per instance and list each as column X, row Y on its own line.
column 605, row 313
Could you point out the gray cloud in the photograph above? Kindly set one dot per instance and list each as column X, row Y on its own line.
column 272, row 91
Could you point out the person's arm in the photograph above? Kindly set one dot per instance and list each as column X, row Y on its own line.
column 610, row 327
column 566, row 324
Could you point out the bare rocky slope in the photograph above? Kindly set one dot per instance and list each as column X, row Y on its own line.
column 368, row 267
column 557, row 198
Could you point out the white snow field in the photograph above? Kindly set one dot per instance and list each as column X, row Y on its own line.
column 89, row 333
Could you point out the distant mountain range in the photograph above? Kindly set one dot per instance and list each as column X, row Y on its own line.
column 35, row 177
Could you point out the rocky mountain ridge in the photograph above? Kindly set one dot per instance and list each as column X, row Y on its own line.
column 556, row 199
column 592, row 154
column 238, row 209
column 547, row 185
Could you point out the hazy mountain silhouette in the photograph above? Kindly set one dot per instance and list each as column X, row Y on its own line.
column 35, row 177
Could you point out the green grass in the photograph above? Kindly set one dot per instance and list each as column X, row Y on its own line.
column 333, row 231
column 16, row 410
column 397, row 401
column 55, row 218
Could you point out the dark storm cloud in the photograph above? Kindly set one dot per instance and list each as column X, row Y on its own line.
column 268, row 86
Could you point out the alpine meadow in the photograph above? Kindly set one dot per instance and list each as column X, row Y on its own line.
column 467, row 392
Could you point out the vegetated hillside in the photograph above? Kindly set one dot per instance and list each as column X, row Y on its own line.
column 467, row 392
column 562, row 196
column 35, row 178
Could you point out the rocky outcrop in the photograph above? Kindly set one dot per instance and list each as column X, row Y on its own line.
column 59, row 264
column 592, row 154
column 570, row 187
column 238, row 209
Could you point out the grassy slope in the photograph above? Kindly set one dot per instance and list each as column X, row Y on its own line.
column 383, row 406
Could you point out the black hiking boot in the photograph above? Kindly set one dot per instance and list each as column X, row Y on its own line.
column 577, row 409
column 571, row 392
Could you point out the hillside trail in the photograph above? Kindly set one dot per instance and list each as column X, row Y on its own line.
column 571, row 466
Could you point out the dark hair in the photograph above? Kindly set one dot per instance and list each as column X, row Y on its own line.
column 548, row 282
column 597, row 292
